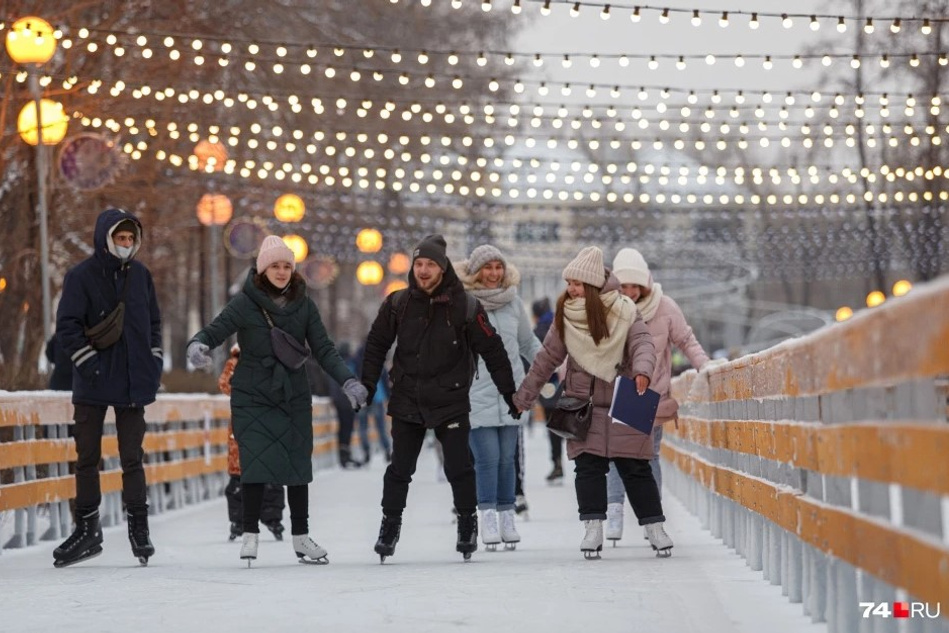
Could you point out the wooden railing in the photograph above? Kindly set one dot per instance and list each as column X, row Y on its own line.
column 185, row 458
column 824, row 461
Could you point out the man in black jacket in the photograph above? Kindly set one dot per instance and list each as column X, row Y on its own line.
column 124, row 375
column 437, row 336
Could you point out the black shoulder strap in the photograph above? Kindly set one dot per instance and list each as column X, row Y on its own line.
column 397, row 302
column 471, row 307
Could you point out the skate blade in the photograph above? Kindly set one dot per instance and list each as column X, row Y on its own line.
column 663, row 553
column 322, row 560
column 466, row 556
column 382, row 558
column 58, row 564
column 591, row 555
column 143, row 561
column 490, row 547
column 511, row 546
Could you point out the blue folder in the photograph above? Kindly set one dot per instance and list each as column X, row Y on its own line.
column 632, row 409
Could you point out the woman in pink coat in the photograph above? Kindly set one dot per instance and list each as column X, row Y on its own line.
column 600, row 334
column 668, row 328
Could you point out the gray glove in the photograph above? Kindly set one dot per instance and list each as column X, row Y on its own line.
column 198, row 355
column 356, row 393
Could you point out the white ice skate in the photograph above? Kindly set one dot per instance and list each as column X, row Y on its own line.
column 659, row 540
column 490, row 535
column 508, row 531
column 614, row 522
column 249, row 546
column 308, row 551
column 592, row 543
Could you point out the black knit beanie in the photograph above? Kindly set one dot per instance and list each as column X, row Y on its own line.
column 434, row 248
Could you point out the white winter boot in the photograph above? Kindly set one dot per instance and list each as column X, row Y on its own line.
column 592, row 542
column 308, row 551
column 659, row 540
column 490, row 535
column 249, row 546
column 614, row 522
column 508, row 532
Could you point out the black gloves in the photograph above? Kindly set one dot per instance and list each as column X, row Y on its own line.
column 511, row 409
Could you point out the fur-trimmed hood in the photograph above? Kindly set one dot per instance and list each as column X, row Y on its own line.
column 512, row 276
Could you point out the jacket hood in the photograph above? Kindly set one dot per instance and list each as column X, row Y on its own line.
column 264, row 300
column 102, row 238
column 512, row 276
column 612, row 283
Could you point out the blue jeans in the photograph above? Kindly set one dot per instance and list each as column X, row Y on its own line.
column 378, row 411
column 614, row 485
column 493, row 448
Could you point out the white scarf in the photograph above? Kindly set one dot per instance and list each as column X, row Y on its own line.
column 600, row 360
column 649, row 305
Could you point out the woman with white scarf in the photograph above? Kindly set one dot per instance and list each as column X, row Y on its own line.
column 488, row 276
column 601, row 335
column 668, row 327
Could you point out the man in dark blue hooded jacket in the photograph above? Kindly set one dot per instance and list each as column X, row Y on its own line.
column 124, row 375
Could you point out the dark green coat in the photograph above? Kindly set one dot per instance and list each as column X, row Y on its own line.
column 271, row 405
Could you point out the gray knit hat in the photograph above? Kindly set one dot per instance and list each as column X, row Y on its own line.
column 482, row 255
column 587, row 267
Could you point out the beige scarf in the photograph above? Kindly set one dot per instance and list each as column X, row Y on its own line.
column 600, row 360
column 649, row 305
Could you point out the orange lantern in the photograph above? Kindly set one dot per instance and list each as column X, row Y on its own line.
column 31, row 40
column 398, row 284
column 298, row 245
column 399, row 263
column 214, row 208
column 369, row 273
column 289, row 208
column 211, row 156
column 369, row 241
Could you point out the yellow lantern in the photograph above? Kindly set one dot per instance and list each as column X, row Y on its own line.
column 399, row 263
column 369, row 241
column 3, row 284
column 369, row 273
column 289, row 208
column 214, row 208
column 398, row 284
column 298, row 245
column 843, row 313
column 55, row 122
column 211, row 156
column 901, row 287
column 31, row 41
column 875, row 298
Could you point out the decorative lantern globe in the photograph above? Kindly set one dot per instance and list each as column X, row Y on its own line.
column 31, row 40
column 289, row 208
column 843, row 313
column 399, row 263
column 875, row 298
column 55, row 122
column 214, row 208
column 901, row 287
column 369, row 241
column 298, row 245
column 211, row 156
column 392, row 286
column 369, row 273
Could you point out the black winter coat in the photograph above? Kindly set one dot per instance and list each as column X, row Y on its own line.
column 128, row 373
column 271, row 405
column 434, row 360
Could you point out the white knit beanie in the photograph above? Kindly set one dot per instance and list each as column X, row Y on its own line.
column 587, row 267
column 481, row 256
column 630, row 267
column 272, row 250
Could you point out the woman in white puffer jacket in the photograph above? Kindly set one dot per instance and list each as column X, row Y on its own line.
column 493, row 280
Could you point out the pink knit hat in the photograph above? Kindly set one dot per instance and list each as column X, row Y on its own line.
column 272, row 250
column 587, row 267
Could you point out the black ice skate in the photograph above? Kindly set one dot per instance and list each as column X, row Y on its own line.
column 389, row 533
column 556, row 474
column 84, row 543
column 142, row 547
column 236, row 530
column 467, row 535
column 276, row 528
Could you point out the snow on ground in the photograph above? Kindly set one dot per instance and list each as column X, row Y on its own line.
column 196, row 581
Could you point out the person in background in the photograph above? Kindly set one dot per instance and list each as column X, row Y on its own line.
column 495, row 433
column 601, row 335
column 668, row 328
column 551, row 390
column 124, row 375
column 271, row 404
column 271, row 512
column 432, row 369
column 377, row 408
column 345, row 415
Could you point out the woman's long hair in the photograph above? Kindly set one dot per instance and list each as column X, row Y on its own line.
column 596, row 314
column 295, row 287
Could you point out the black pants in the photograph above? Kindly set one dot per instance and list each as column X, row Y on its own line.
column 637, row 479
column 556, row 442
column 272, row 505
column 87, row 431
column 297, row 498
column 407, row 440
column 346, row 418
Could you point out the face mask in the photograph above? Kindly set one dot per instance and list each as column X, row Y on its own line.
column 124, row 252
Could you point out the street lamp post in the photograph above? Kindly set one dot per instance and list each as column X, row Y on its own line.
column 30, row 41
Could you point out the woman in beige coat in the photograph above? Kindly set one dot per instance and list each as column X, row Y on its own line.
column 668, row 328
column 600, row 334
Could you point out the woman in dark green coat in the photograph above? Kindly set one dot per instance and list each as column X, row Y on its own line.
column 271, row 405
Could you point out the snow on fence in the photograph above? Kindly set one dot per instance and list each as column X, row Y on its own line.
column 185, row 459
column 824, row 461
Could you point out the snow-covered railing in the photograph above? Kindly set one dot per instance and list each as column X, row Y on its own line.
column 824, row 461
column 185, row 459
